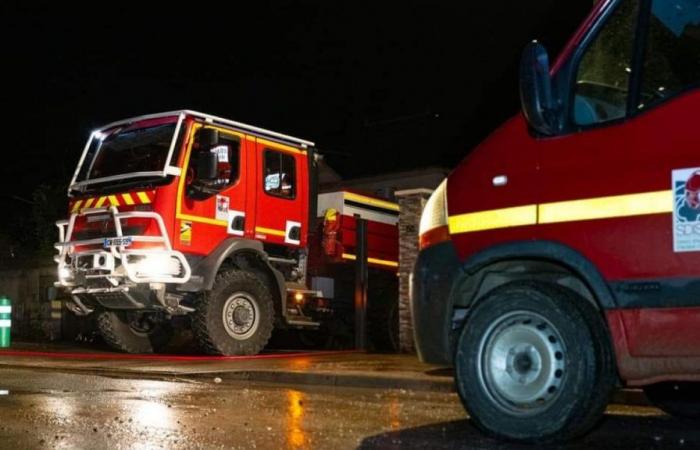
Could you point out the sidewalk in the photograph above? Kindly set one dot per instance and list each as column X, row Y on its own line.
column 340, row 368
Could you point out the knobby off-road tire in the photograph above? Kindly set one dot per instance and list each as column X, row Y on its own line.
column 236, row 317
column 534, row 363
column 675, row 398
column 133, row 332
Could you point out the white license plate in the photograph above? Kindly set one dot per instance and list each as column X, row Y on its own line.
column 117, row 242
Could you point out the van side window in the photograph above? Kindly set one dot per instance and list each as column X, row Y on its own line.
column 672, row 56
column 602, row 80
column 279, row 174
column 227, row 152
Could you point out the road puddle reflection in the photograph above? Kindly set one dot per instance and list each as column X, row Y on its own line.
column 150, row 414
column 394, row 412
column 296, row 436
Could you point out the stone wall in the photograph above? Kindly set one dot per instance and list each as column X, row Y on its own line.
column 411, row 203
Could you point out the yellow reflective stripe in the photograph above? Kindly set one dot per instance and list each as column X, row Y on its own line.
column 113, row 200
column 371, row 201
column 100, row 201
column 269, row 231
column 88, row 202
column 607, row 207
column 143, row 197
column 181, row 182
column 127, row 199
column 495, row 218
column 278, row 146
column 383, row 262
column 614, row 206
column 206, row 220
column 225, row 130
column 76, row 206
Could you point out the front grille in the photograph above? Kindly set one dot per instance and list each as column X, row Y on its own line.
column 93, row 233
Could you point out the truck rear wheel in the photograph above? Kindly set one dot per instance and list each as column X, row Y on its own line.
column 676, row 398
column 236, row 317
column 133, row 332
column 534, row 363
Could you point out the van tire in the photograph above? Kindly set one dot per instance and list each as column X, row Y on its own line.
column 556, row 370
column 119, row 331
column 678, row 399
column 246, row 303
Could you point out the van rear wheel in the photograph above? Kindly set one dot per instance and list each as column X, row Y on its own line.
column 134, row 332
column 236, row 317
column 534, row 363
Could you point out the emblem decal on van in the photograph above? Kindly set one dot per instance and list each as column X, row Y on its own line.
column 686, row 210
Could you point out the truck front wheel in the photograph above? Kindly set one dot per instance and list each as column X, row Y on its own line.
column 534, row 363
column 134, row 332
column 236, row 317
column 676, row 398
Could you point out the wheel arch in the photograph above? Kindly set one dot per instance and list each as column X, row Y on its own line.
column 246, row 254
column 530, row 260
column 536, row 257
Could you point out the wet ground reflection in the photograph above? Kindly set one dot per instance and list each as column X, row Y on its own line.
column 296, row 437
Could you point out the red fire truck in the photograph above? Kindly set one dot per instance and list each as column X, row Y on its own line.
column 187, row 214
column 562, row 256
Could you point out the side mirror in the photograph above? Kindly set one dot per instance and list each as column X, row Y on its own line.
column 207, row 166
column 208, row 137
column 536, row 97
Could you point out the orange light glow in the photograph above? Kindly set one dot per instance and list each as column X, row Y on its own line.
column 296, row 436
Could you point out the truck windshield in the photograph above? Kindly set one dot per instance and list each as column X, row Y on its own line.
column 125, row 152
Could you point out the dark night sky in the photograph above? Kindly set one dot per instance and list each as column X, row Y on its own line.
column 381, row 86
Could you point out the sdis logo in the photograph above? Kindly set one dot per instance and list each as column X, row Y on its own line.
column 686, row 210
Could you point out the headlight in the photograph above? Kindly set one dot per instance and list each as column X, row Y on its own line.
column 433, row 221
column 64, row 274
column 157, row 265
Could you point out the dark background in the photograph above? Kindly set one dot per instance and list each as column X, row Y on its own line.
column 379, row 86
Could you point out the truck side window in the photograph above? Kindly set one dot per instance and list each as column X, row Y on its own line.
column 228, row 166
column 672, row 56
column 602, row 79
column 280, row 174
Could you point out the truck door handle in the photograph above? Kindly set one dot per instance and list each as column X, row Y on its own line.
column 500, row 180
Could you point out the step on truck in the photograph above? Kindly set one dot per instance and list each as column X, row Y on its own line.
column 562, row 256
column 184, row 214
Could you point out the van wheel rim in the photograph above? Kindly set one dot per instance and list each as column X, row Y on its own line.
column 241, row 316
column 521, row 363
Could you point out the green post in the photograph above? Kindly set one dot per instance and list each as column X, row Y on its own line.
column 5, row 321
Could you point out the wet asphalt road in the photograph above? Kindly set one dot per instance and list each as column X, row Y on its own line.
column 42, row 409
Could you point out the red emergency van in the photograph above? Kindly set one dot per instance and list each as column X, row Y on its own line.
column 562, row 256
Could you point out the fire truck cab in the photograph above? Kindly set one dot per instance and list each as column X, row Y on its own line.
column 562, row 256
column 185, row 213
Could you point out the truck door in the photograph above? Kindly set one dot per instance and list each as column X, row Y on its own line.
column 282, row 194
column 212, row 206
column 620, row 184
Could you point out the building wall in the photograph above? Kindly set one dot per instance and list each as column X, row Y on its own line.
column 34, row 315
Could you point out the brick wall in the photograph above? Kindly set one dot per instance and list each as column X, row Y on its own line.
column 411, row 203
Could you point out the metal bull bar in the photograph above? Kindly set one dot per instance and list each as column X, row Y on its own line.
column 105, row 262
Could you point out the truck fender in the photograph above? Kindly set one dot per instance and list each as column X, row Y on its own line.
column 204, row 271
